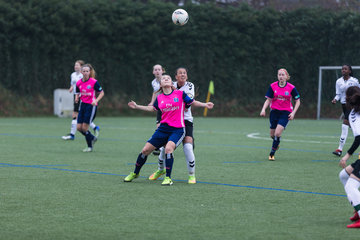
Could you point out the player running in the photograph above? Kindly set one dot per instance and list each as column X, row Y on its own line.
column 279, row 96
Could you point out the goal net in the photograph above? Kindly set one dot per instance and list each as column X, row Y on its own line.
column 326, row 91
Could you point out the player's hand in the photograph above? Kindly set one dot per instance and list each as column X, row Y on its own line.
column 291, row 116
column 342, row 163
column 333, row 101
column 94, row 103
column 209, row 105
column 262, row 113
column 132, row 104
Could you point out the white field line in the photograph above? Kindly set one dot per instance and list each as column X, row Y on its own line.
column 256, row 136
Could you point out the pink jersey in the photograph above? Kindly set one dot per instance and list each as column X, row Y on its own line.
column 281, row 96
column 87, row 90
column 172, row 107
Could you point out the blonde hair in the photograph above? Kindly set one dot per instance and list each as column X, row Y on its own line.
column 92, row 70
column 286, row 73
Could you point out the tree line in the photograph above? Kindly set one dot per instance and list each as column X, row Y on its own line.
column 239, row 48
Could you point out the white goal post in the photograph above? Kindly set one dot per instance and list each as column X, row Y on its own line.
column 321, row 68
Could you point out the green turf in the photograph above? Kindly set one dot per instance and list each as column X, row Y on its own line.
column 239, row 194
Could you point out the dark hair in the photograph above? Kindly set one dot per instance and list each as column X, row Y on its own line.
column 180, row 68
column 351, row 70
column 353, row 98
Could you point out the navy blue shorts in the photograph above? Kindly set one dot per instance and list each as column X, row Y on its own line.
column 87, row 113
column 164, row 133
column 279, row 117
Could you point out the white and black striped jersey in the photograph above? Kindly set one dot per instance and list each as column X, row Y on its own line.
column 75, row 76
column 189, row 89
column 155, row 85
column 341, row 87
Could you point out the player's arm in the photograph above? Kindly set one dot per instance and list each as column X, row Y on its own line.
column 350, row 152
column 337, row 92
column 265, row 106
column 269, row 96
column 295, row 94
column 153, row 99
column 208, row 105
column 99, row 89
column 133, row 105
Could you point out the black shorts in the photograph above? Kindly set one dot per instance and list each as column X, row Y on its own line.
column 158, row 117
column 346, row 111
column 189, row 128
column 76, row 105
column 356, row 166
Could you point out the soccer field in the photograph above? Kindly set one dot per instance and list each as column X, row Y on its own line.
column 50, row 189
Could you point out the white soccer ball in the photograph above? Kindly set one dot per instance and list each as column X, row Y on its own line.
column 180, row 17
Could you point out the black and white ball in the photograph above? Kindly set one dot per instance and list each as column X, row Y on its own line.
column 180, row 17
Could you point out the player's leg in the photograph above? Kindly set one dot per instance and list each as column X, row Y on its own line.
column 158, row 119
column 140, row 161
column 274, row 119
column 95, row 128
column 161, row 165
column 71, row 135
column 353, row 194
column 158, row 139
column 89, row 116
column 344, row 131
column 283, row 120
column 174, row 140
column 188, row 149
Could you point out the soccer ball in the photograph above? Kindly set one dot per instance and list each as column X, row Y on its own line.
column 180, row 17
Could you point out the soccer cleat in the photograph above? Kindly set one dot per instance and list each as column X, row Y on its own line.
column 97, row 131
column 355, row 217
column 272, row 158
column 192, row 180
column 68, row 137
column 88, row 149
column 157, row 174
column 131, row 177
column 156, row 152
column 337, row 152
column 354, row 225
column 167, row 182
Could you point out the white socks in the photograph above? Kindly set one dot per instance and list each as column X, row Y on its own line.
column 344, row 176
column 92, row 125
column 190, row 158
column 352, row 191
column 73, row 127
column 344, row 133
column 161, row 162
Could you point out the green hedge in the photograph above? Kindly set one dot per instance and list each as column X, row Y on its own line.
column 239, row 48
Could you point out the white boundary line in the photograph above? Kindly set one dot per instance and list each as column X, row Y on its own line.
column 256, row 136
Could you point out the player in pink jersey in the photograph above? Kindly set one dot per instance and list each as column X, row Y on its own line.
column 86, row 88
column 350, row 175
column 279, row 96
column 75, row 76
column 170, row 133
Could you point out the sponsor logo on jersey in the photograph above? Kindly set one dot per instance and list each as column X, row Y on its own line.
column 176, row 100
column 286, row 93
